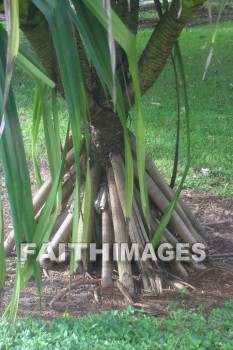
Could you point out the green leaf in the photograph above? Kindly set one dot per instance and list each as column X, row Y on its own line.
column 211, row 52
column 41, row 235
column 2, row 251
column 51, row 136
column 167, row 216
column 86, row 219
column 16, row 176
column 36, row 118
column 98, row 46
column 11, row 9
column 30, row 64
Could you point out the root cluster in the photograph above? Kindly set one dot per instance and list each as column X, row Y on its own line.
column 108, row 224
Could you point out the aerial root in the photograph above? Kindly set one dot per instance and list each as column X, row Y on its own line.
column 108, row 223
column 120, row 233
column 125, row 292
column 78, row 284
column 107, row 237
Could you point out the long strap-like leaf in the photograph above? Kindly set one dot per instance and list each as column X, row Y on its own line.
column 167, row 216
column 16, row 175
column 56, row 13
column 2, row 252
column 11, row 8
column 127, row 41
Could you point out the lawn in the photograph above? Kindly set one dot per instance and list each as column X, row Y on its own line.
column 125, row 330
column 211, row 117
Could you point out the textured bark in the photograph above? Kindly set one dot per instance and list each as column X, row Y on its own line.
column 128, row 13
column 120, row 233
column 107, row 237
column 42, row 194
column 36, row 30
column 106, row 135
column 161, row 42
column 151, row 62
column 95, row 179
column 161, row 201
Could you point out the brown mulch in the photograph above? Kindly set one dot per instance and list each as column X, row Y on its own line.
column 210, row 288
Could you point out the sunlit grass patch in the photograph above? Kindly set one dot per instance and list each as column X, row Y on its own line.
column 211, row 118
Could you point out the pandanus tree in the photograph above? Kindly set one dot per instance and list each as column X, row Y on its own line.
column 103, row 188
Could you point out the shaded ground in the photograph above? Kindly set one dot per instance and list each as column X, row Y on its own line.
column 200, row 17
column 210, row 287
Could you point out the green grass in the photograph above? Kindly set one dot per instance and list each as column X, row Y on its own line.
column 24, row 88
column 148, row 15
column 210, row 111
column 211, row 118
column 124, row 330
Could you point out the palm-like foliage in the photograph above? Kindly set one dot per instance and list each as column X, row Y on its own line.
column 88, row 49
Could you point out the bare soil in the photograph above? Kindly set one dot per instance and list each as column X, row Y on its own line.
column 210, row 288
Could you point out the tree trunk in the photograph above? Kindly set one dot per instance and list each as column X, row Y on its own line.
column 107, row 147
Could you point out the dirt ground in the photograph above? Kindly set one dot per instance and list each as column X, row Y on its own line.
column 211, row 287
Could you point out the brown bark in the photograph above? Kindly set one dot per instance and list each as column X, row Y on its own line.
column 164, row 36
column 107, row 239
column 120, row 233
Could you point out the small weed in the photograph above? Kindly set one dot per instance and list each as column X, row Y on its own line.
column 124, row 330
column 183, row 293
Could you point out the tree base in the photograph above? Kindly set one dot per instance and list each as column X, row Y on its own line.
column 107, row 225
